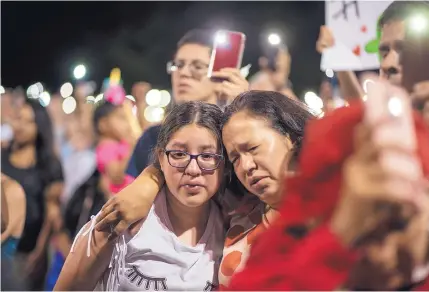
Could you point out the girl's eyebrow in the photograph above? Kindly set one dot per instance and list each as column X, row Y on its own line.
column 201, row 148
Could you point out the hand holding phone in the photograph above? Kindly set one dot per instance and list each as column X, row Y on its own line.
column 233, row 84
column 380, row 177
column 388, row 114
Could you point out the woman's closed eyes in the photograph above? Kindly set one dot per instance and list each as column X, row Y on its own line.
column 251, row 150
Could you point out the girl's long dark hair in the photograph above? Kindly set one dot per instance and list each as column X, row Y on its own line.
column 46, row 160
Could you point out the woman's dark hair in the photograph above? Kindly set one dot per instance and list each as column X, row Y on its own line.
column 47, row 162
column 287, row 116
column 202, row 114
column 102, row 110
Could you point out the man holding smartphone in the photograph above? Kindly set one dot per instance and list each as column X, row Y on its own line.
column 190, row 82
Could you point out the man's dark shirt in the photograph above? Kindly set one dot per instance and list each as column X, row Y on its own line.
column 142, row 154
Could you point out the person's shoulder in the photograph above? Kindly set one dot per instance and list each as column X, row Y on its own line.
column 152, row 131
column 142, row 151
column 149, row 135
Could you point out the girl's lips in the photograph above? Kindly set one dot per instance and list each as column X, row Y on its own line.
column 192, row 188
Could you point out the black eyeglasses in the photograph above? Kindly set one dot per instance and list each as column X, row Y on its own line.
column 181, row 159
column 197, row 68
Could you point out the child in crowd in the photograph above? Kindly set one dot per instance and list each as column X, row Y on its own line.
column 114, row 144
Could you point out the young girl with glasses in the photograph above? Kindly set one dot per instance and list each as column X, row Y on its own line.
column 178, row 246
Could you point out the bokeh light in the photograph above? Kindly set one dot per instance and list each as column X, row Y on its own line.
column 66, row 89
column 329, row 73
column 153, row 97
column 79, row 71
column 69, row 105
column 220, row 37
column 33, row 91
column 154, row 114
column 314, row 102
column 274, row 39
column 39, row 86
column 130, row 97
column 165, row 98
column 418, row 23
column 44, row 98
column 98, row 98
column 2, row 91
column 90, row 99
column 395, row 106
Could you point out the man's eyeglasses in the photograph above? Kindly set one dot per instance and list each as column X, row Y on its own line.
column 181, row 159
column 197, row 68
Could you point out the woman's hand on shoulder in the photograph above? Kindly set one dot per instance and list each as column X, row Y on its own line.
column 122, row 212
column 130, row 205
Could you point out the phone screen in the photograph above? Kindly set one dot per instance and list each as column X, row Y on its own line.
column 415, row 51
column 227, row 51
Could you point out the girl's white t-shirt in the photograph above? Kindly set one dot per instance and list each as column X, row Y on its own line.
column 155, row 260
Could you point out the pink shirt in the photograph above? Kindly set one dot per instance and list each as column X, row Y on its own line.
column 110, row 151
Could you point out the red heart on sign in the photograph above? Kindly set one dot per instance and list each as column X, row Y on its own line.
column 363, row 28
column 356, row 51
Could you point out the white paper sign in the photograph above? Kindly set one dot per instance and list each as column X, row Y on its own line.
column 354, row 26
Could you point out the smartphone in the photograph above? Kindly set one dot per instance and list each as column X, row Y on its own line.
column 415, row 52
column 389, row 113
column 388, row 110
column 227, row 51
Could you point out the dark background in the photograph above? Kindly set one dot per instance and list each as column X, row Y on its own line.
column 43, row 41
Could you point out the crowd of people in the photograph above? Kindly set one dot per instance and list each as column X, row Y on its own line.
column 259, row 193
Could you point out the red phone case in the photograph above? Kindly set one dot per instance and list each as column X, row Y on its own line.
column 227, row 53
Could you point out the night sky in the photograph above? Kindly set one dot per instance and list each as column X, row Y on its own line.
column 43, row 41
